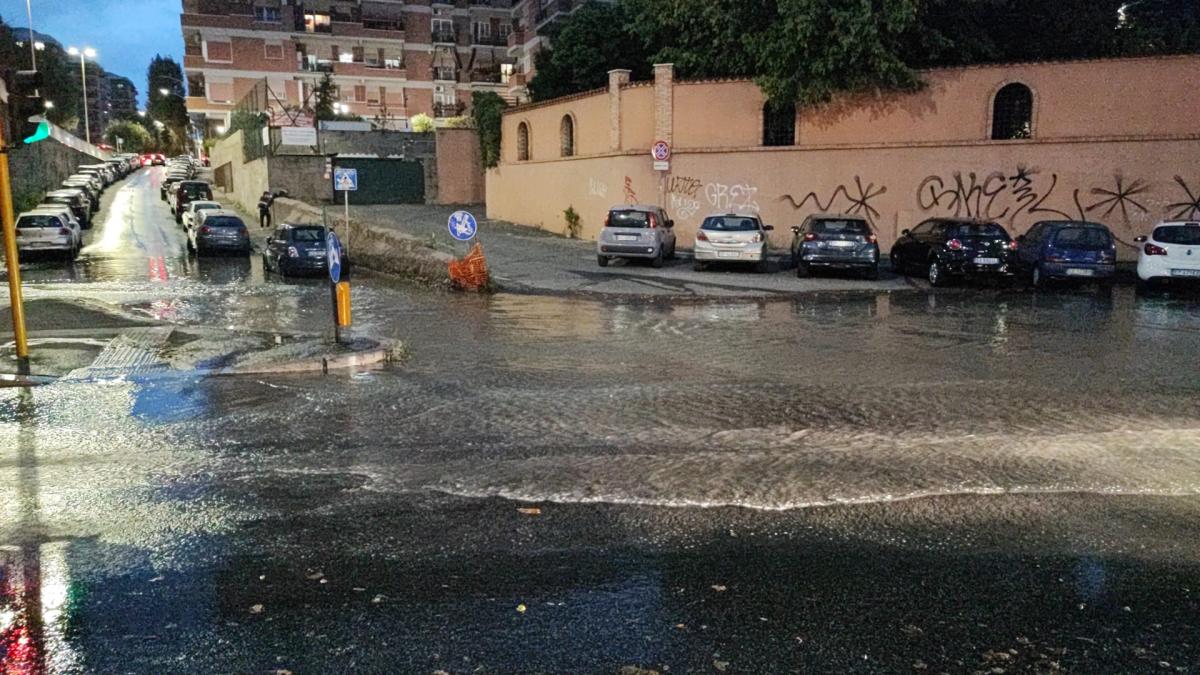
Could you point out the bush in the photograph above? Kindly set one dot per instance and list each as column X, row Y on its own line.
column 460, row 122
column 421, row 123
column 134, row 137
column 574, row 226
column 487, row 108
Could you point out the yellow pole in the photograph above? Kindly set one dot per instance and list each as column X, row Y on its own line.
column 8, row 221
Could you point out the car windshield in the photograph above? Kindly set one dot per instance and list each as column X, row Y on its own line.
column 978, row 230
column 730, row 224
column 843, row 226
column 205, row 206
column 223, row 221
column 1188, row 235
column 308, row 234
column 38, row 220
column 628, row 219
column 195, row 190
column 1083, row 238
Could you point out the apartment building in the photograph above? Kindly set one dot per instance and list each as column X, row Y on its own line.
column 388, row 60
column 533, row 23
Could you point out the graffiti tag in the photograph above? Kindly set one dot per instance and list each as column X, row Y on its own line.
column 630, row 195
column 1188, row 209
column 731, row 198
column 857, row 202
column 597, row 188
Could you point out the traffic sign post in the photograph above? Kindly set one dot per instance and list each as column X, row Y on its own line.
column 339, row 290
column 661, row 152
column 463, row 226
column 346, row 180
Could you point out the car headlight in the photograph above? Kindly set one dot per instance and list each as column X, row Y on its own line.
column 757, row 238
column 292, row 252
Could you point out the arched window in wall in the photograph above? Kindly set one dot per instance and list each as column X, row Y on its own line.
column 567, row 131
column 779, row 123
column 1012, row 113
column 522, row 142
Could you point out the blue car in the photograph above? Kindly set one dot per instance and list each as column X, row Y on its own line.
column 299, row 250
column 1062, row 250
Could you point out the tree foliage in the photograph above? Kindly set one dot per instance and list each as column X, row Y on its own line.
column 594, row 40
column 323, row 101
column 487, row 108
column 421, row 123
column 134, row 137
column 60, row 76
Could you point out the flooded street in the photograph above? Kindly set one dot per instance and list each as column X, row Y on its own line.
column 957, row 481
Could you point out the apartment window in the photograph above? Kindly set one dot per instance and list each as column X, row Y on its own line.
column 504, row 30
column 522, row 142
column 219, row 52
column 779, row 123
column 360, row 92
column 316, row 23
column 1012, row 113
column 506, row 72
column 567, row 131
column 443, row 30
column 266, row 14
column 274, row 52
column 358, row 54
column 441, row 97
column 482, row 29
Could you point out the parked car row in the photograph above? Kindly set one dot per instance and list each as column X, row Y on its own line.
column 942, row 250
column 56, row 224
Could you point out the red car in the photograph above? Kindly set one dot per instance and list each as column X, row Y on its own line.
column 153, row 159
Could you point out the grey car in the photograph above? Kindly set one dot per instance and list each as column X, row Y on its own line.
column 834, row 241
column 220, row 231
column 636, row 232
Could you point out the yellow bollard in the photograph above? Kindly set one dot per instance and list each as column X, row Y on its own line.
column 343, row 304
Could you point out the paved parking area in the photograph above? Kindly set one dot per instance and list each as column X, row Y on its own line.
column 533, row 261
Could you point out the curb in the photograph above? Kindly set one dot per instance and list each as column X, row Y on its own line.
column 384, row 353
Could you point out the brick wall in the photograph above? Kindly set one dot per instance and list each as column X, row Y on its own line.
column 459, row 167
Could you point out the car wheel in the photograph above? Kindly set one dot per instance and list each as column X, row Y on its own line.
column 935, row 274
column 699, row 265
column 896, row 265
column 873, row 272
column 657, row 261
column 602, row 260
column 671, row 254
column 761, row 266
column 1143, row 286
column 802, row 271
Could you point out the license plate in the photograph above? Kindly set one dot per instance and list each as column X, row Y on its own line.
column 627, row 237
column 316, row 254
column 1076, row 272
column 728, row 254
column 1185, row 273
column 987, row 261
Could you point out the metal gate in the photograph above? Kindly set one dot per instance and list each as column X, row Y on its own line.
column 385, row 181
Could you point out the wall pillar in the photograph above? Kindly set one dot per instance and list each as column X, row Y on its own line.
column 616, row 79
column 664, row 101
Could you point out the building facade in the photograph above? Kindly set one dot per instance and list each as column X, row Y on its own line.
column 533, row 22
column 1115, row 141
column 388, row 60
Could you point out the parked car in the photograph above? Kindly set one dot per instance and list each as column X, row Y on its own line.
column 86, row 184
column 185, row 192
column 1067, row 250
column 78, row 201
column 297, row 250
column 945, row 249
column 643, row 232
column 831, row 241
column 732, row 238
column 158, row 159
column 1171, row 253
column 48, row 231
column 170, row 182
column 103, row 171
column 221, row 231
column 191, row 213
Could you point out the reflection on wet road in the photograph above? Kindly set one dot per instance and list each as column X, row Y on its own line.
column 932, row 478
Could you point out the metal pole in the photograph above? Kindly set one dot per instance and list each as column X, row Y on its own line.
column 347, row 194
column 32, row 50
column 87, row 125
column 11, row 261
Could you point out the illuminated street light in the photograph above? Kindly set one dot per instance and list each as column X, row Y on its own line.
column 49, row 105
column 141, row 113
column 86, row 53
column 164, row 91
column 221, row 131
column 40, row 46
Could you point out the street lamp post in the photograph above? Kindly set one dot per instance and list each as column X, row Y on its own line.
column 84, row 54
column 32, row 46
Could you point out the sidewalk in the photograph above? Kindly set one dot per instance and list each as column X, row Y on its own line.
column 528, row 260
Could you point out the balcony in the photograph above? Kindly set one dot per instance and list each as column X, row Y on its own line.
column 489, row 40
column 222, row 21
column 316, row 66
column 447, row 109
column 446, row 37
column 486, row 76
column 368, row 69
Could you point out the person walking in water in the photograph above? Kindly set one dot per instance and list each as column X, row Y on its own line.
column 264, row 209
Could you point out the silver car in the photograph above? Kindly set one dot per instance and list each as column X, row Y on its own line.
column 636, row 232
column 49, row 230
column 219, row 231
column 834, row 241
column 735, row 238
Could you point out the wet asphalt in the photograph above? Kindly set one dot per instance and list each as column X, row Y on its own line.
column 970, row 480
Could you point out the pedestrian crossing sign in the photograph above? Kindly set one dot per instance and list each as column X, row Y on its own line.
column 345, row 180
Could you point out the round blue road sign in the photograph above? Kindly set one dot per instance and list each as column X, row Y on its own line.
column 333, row 253
column 463, row 226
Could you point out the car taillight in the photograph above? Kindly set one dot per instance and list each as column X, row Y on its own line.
column 63, row 230
column 1012, row 244
column 1151, row 249
column 700, row 236
column 1055, row 258
column 607, row 220
column 954, row 245
column 872, row 239
column 205, row 230
column 810, row 237
column 653, row 221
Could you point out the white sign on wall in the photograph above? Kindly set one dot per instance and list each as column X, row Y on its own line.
column 298, row 135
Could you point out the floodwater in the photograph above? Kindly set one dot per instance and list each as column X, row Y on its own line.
column 776, row 409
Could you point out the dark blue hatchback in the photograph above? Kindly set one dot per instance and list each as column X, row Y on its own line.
column 298, row 250
column 1067, row 250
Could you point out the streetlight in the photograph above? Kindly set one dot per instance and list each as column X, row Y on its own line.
column 141, row 113
column 221, row 130
column 49, row 105
column 164, row 91
column 159, row 124
column 86, row 53
column 33, row 44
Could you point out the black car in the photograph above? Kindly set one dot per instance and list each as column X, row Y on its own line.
column 77, row 199
column 297, row 250
column 828, row 241
column 943, row 249
column 187, row 191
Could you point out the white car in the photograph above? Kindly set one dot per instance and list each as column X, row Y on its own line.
column 49, row 229
column 191, row 214
column 1172, row 251
column 735, row 238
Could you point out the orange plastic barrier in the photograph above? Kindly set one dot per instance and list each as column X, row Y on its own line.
column 470, row 273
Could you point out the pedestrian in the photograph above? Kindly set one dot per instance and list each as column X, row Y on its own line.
column 264, row 209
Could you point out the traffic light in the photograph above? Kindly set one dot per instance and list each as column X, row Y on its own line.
column 26, row 106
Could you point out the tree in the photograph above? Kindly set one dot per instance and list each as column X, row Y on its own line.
column 170, row 108
column 60, row 76
column 134, row 137
column 323, row 105
column 422, row 123
column 487, row 108
column 584, row 48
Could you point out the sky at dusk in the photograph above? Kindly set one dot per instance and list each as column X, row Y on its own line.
column 125, row 33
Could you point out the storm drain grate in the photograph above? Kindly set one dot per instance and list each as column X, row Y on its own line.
column 135, row 351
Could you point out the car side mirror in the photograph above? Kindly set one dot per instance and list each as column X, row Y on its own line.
column 670, row 224
column 768, row 228
column 796, row 229
column 1141, row 239
column 905, row 233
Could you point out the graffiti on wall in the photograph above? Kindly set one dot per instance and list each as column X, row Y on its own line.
column 852, row 201
column 684, row 193
column 1121, row 195
column 1190, row 207
column 630, row 195
column 997, row 195
column 597, row 188
column 732, row 198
